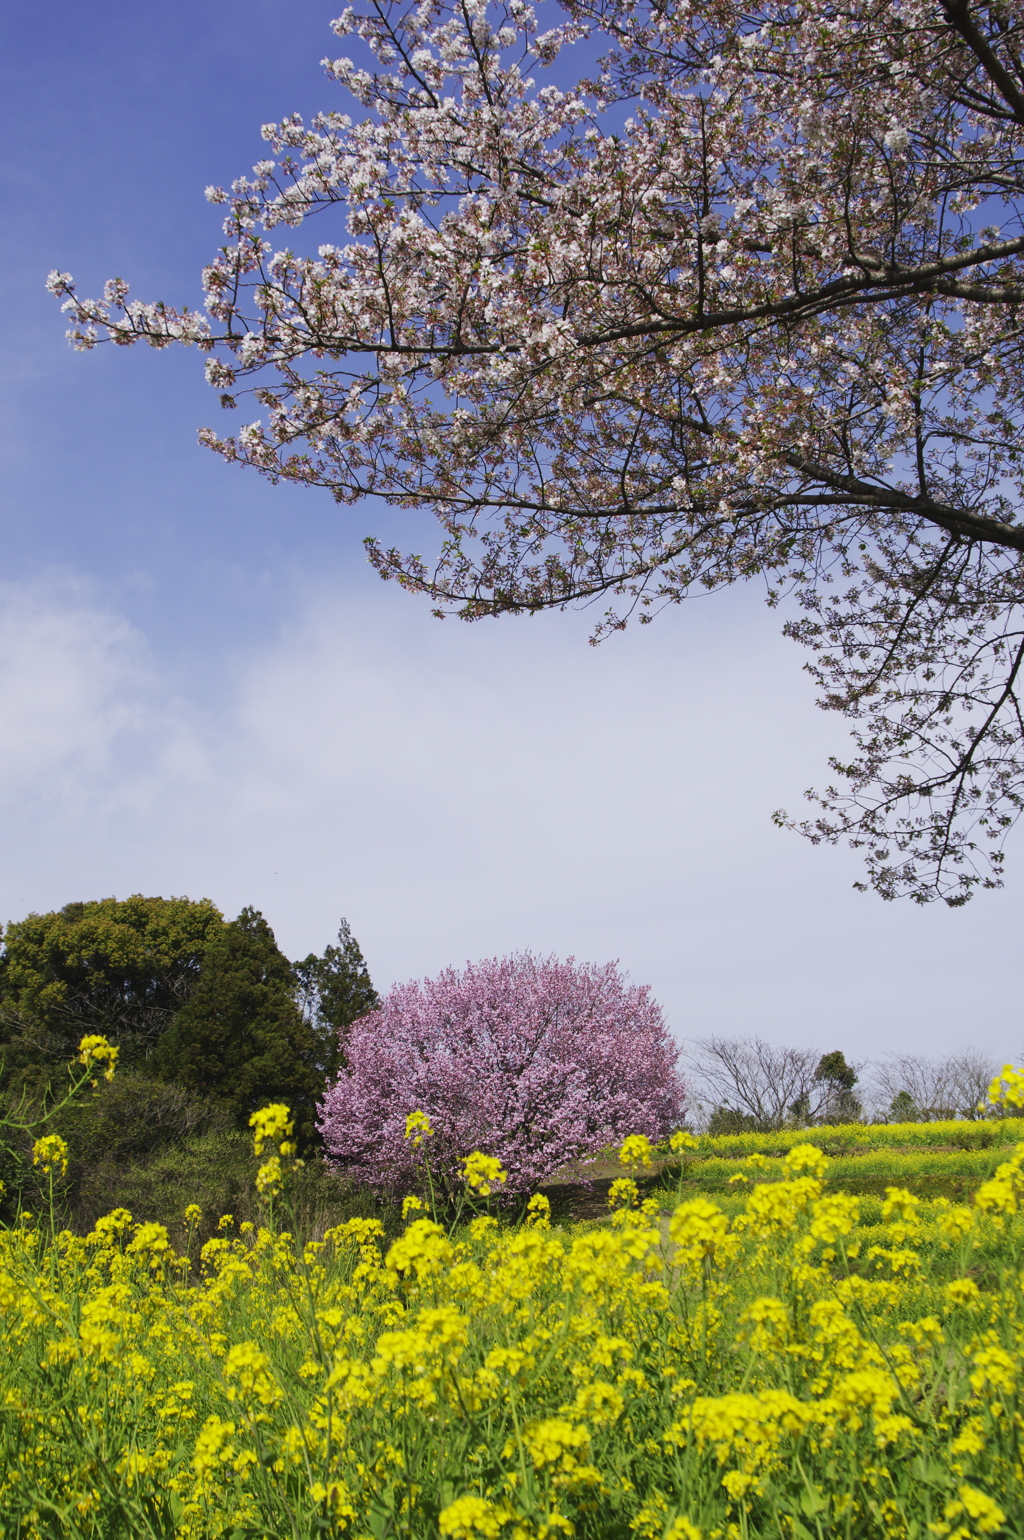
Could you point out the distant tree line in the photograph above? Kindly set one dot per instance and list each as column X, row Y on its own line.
column 747, row 1084
column 193, row 1001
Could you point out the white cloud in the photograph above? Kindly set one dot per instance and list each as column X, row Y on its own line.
column 463, row 791
column 70, row 687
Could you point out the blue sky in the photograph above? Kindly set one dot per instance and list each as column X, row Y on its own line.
column 204, row 689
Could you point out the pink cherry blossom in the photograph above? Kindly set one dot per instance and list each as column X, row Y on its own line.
column 534, row 1061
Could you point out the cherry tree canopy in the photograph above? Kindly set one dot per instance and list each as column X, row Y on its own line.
column 748, row 303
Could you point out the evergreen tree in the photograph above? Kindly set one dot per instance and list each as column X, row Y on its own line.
column 838, row 1079
column 334, row 991
column 122, row 967
column 242, row 1036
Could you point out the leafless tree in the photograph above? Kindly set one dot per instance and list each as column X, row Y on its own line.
column 917, row 1087
column 768, row 1085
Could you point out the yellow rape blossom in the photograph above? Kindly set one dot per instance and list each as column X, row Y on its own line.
column 699, row 1229
column 94, row 1049
column 962, row 1291
column 1007, row 1089
column 469, row 1517
column 417, row 1128
column 984, row 1515
column 270, row 1125
column 635, row 1150
column 270, row 1177
column 51, row 1153
column 538, row 1211
column 807, row 1159
column 555, row 1442
column 482, row 1173
column 623, row 1193
column 677, row 1379
column 247, row 1371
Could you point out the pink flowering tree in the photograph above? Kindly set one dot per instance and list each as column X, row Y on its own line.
column 746, row 304
column 534, row 1061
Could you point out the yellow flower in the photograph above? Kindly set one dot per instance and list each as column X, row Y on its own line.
column 900, row 1202
column 538, row 1212
column 806, row 1158
column 954, row 1224
column 437, row 1335
column 151, row 1238
column 1007, row 1089
column 422, row 1251
column 971, row 1440
column 681, row 1140
column 270, row 1177
column 482, row 1173
column 247, row 1368
column 738, row 1483
column 986, row 1515
column 623, row 1193
column 51, row 1153
column 768, row 1320
column 994, row 1370
column 417, row 1128
column 552, row 1441
column 212, row 1448
column 598, row 1403
column 682, row 1529
column 635, row 1150
column 699, row 1229
column 1003, row 1191
column 270, row 1124
column 335, row 1496
column 411, row 1205
column 193, row 1214
column 777, row 1206
column 832, row 1216
column 94, row 1049
column 109, row 1226
column 962, row 1291
column 470, row 1516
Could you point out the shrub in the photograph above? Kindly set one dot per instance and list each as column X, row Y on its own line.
column 536, row 1062
column 216, row 1172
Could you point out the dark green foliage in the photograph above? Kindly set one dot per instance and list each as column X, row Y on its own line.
column 833, row 1067
column 241, row 1037
column 334, row 991
column 121, row 968
column 215, row 1170
column 839, row 1079
column 729, row 1120
column 116, row 1123
column 134, row 1116
column 904, row 1109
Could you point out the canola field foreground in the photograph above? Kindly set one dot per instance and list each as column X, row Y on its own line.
column 787, row 1371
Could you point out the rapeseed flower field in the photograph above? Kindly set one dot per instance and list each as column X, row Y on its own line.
column 787, row 1369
